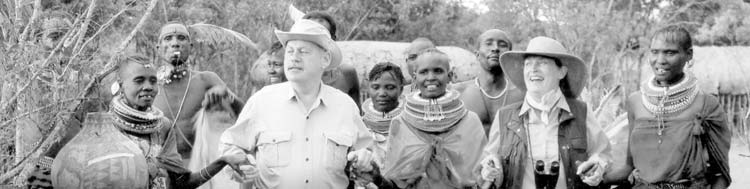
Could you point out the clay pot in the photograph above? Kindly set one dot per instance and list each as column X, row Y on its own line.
column 100, row 156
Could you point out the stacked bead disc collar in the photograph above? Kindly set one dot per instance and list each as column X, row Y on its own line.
column 434, row 115
column 667, row 100
column 132, row 120
column 378, row 121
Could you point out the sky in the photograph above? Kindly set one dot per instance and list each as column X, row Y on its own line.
column 476, row 5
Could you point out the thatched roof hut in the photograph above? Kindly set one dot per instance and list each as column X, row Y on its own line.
column 722, row 70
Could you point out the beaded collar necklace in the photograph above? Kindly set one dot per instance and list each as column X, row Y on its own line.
column 662, row 101
column 132, row 120
column 433, row 115
column 377, row 121
column 671, row 99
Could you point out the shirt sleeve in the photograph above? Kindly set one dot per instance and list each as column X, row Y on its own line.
column 364, row 138
column 493, row 143
column 241, row 137
column 598, row 144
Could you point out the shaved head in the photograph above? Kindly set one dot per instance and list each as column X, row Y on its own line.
column 433, row 73
column 411, row 52
column 175, row 45
column 132, row 62
column 494, row 33
column 173, row 28
column 491, row 44
column 419, row 45
column 137, row 81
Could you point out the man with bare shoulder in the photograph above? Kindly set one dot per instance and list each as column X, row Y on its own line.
column 186, row 91
column 490, row 90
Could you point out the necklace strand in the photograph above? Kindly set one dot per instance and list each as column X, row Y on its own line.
column 179, row 110
column 476, row 81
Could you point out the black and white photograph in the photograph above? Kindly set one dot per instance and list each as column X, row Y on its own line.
column 375, row 94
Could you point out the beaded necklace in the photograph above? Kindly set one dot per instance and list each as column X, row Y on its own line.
column 132, row 120
column 476, row 82
column 433, row 115
column 662, row 101
column 377, row 121
column 667, row 100
column 167, row 74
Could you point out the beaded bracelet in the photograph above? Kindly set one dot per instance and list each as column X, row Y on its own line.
column 45, row 162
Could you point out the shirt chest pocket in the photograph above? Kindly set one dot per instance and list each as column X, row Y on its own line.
column 274, row 148
column 337, row 146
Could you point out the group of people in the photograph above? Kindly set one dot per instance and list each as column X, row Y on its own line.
column 518, row 124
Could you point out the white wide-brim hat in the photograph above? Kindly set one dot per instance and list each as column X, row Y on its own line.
column 308, row 30
column 512, row 63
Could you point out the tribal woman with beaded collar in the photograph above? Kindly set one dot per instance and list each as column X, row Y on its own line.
column 385, row 87
column 435, row 142
column 386, row 83
column 678, row 134
column 152, row 132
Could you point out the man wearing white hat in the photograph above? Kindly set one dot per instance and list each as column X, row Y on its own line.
column 301, row 131
column 545, row 141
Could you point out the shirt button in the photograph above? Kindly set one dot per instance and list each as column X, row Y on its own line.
column 307, row 117
column 307, row 159
column 307, row 138
column 307, row 181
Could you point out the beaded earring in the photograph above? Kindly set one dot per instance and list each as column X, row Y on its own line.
column 115, row 88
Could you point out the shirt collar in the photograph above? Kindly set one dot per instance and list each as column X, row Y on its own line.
column 323, row 94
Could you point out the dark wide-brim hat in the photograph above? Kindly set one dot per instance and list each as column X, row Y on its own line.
column 309, row 30
column 512, row 63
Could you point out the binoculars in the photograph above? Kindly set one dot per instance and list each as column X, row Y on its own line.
column 546, row 179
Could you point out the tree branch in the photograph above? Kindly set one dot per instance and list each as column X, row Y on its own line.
column 359, row 22
column 85, row 26
column 110, row 67
column 101, row 29
column 37, row 110
column 35, row 74
column 34, row 16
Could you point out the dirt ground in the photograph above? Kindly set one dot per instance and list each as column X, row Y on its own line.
column 739, row 166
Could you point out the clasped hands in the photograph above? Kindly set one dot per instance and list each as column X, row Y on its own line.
column 362, row 161
column 590, row 171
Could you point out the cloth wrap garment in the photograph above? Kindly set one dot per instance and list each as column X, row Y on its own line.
column 685, row 141
column 434, row 143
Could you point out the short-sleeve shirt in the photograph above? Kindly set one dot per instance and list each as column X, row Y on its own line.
column 297, row 147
